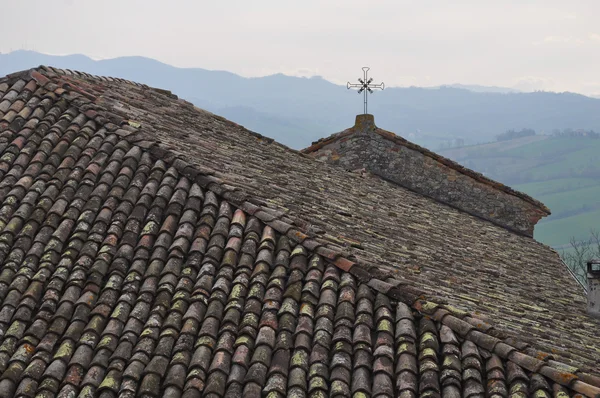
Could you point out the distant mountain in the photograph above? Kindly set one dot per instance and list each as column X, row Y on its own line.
column 482, row 89
column 297, row 111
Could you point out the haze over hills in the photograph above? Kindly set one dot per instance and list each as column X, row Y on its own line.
column 297, row 111
column 481, row 89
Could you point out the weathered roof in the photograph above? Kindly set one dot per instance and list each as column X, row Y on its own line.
column 315, row 146
column 365, row 147
column 149, row 248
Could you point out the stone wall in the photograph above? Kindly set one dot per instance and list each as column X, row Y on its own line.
column 366, row 147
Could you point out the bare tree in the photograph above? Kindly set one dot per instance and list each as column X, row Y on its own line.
column 582, row 251
column 595, row 242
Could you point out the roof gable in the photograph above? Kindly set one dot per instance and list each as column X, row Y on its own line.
column 124, row 269
column 365, row 147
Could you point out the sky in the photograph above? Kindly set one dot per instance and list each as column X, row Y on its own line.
column 527, row 44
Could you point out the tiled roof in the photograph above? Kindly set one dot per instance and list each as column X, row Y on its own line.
column 150, row 248
column 388, row 135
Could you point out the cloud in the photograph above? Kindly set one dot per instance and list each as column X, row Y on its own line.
column 405, row 81
column 592, row 88
column 565, row 40
column 562, row 39
column 533, row 83
column 556, row 39
column 302, row 72
column 595, row 37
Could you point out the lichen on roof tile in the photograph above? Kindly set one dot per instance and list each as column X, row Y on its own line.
column 124, row 273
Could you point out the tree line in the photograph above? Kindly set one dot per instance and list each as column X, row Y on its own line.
column 527, row 132
column 514, row 134
column 575, row 133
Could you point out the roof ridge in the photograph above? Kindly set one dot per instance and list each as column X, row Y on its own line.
column 385, row 282
column 478, row 331
column 51, row 72
column 316, row 145
column 45, row 70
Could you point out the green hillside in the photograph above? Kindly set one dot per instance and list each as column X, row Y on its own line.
column 561, row 172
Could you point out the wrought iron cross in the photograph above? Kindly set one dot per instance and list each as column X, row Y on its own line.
column 365, row 85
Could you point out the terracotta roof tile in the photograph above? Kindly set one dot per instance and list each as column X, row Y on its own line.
column 124, row 275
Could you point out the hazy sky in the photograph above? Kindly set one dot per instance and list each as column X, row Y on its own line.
column 529, row 45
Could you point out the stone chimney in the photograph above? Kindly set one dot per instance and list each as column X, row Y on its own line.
column 593, row 277
column 365, row 146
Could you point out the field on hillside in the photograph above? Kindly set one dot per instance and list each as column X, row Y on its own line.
column 561, row 172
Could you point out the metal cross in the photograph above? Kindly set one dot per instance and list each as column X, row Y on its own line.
column 365, row 85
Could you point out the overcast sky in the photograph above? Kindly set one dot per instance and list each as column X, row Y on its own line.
column 529, row 45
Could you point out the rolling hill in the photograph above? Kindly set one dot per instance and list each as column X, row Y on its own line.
column 561, row 172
